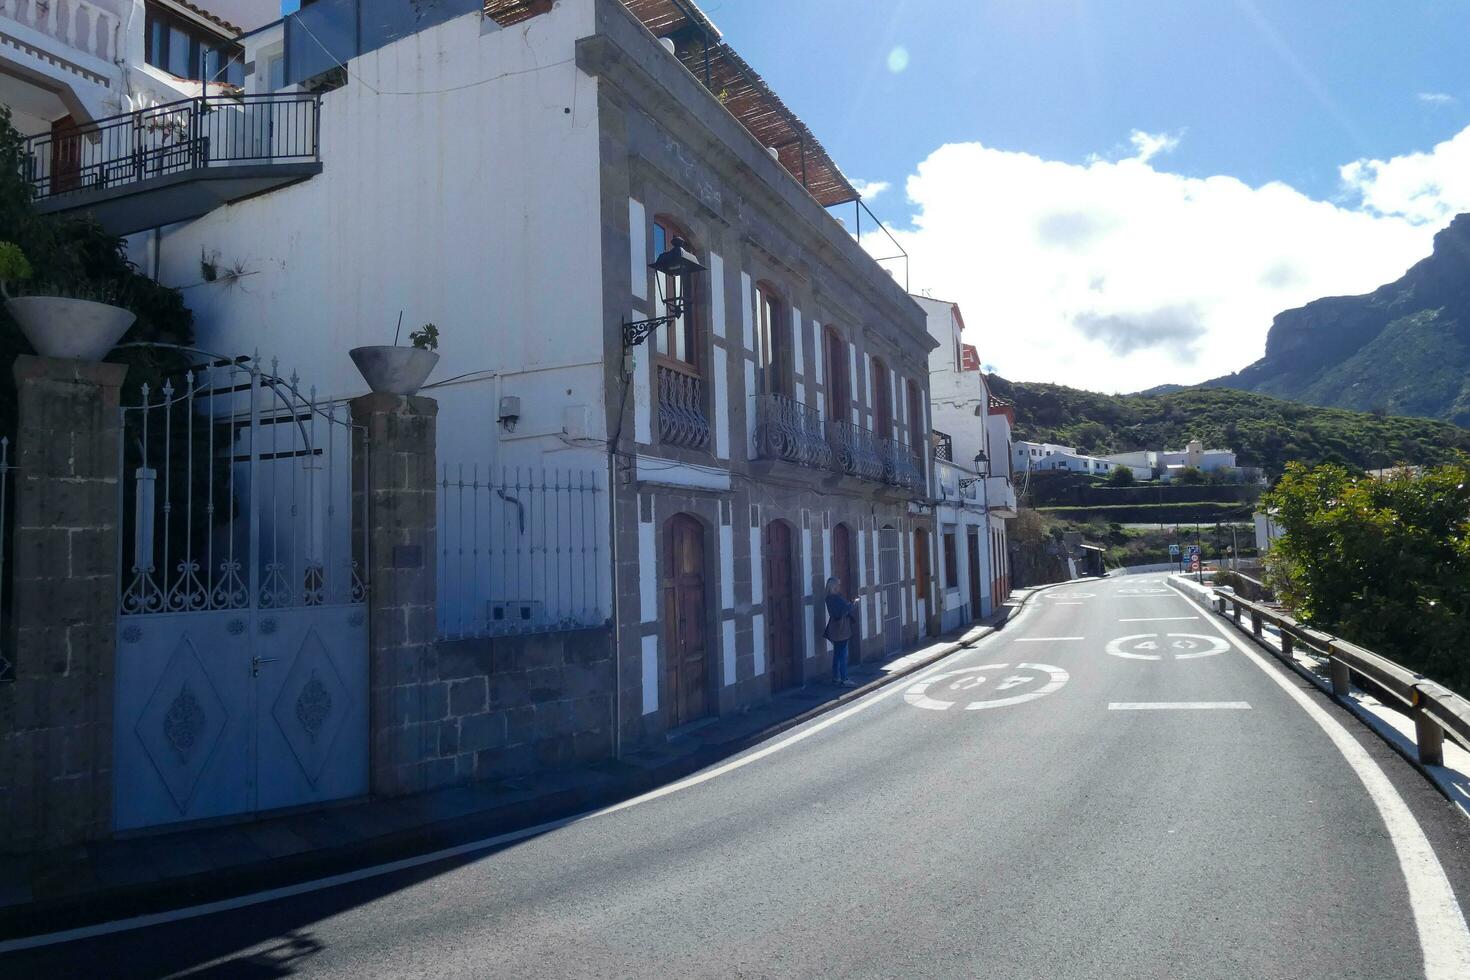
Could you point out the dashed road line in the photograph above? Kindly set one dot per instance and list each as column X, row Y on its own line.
column 1157, row 619
column 1178, row 705
column 1046, row 639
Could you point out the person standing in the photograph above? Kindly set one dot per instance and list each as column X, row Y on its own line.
column 840, row 616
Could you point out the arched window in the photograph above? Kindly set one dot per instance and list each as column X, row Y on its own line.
column 882, row 400
column 839, row 383
column 681, row 340
column 773, row 340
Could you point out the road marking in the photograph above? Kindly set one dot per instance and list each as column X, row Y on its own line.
column 1046, row 639
column 485, row 844
column 1069, row 603
column 1443, row 936
column 1180, row 646
column 971, row 678
column 1178, row 705
column 1157, row 619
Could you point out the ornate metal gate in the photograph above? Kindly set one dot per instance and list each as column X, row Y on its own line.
column 242, row 672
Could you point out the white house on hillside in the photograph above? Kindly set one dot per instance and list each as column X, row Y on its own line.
column 973, row 497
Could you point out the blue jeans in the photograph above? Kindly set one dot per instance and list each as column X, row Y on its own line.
column 839, row 661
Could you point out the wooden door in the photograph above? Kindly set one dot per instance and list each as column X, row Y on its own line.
column 685, row 620
column 66, row 156
column 973, row 540
column 845, row 571
column 780, row 607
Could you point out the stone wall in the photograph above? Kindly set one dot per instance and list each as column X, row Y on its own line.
column 506, row 706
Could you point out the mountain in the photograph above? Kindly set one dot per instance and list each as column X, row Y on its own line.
column 1403, row 349
column 1263, row 430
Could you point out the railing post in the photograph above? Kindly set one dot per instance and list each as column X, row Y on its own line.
column 1287, row 644
column 1342, row 678
column 1428, row 736
column 1235, row 612
column 1256, row 623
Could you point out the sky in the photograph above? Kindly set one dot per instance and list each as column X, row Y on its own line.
column 1123, row 193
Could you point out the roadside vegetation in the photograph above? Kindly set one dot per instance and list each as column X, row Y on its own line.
column 1383, row 563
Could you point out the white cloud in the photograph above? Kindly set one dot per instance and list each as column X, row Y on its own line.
column 1150, row 145
column 1437, row 98
column 1422, row 187
column 869, row 189
column 1117, row 276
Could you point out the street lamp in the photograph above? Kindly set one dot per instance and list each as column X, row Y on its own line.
column 676, row 263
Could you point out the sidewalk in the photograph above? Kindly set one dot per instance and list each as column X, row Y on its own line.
column 138, row 875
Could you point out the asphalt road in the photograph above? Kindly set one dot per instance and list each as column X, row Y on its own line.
column 1004, row 821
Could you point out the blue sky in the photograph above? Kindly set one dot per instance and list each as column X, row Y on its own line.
column 1137, row 114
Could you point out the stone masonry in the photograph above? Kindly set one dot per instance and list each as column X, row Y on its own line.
column 399, row 504
column 56, row 717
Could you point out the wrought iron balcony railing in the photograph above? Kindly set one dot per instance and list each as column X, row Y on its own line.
column 900, row 465
column 943, row 446
column 681, row 416
column 174, row 138
column 788, row 430
column 856, row 451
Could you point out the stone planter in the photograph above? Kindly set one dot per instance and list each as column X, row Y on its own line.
column 78, row 329
column 391, row 370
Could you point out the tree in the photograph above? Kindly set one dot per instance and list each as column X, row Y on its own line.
column 1190, row 475
column 1122, row 476
column 1383, row 562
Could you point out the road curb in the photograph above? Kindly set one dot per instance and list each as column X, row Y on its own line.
column 109, row 904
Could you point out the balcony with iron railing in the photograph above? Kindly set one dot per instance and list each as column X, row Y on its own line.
column 943, row 446
column 682, row 419
column 174, row 162
column 791, row 432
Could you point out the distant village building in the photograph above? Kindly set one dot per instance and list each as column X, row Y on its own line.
column 974, row 493
column 1047, row 457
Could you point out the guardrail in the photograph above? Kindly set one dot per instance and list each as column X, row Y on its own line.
column 1435, row 709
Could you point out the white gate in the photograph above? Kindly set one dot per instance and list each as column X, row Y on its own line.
column 242, row 673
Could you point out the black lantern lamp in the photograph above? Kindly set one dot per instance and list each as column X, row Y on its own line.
column 980, row 458
column 677, row 262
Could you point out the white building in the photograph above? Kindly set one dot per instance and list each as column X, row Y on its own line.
column 1165, row 464
column 973, row 498
column 1047, row 457
column 508, row 171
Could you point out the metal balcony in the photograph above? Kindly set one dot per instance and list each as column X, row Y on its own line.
column 177, row 161
column 788, row 430
column 682, row 420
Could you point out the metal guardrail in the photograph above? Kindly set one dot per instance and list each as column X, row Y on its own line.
column 1435, row 709
column 187, row 135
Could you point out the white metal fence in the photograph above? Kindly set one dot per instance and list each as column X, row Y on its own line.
column 521, row 550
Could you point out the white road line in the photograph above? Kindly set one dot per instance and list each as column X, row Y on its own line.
column 1068, row 603
column 1046, row 639
column 362, row 874
column 1157, row 619
column 1443, row 936
column 1178, row 705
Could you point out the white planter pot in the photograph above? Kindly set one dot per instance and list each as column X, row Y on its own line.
column 72, row 328
column 391, row 370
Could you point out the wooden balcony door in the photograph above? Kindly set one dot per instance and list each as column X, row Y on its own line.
column 781, row 643
column 686, row 660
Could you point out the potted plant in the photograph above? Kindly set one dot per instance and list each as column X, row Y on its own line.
column 75, row 322
column 393, row 370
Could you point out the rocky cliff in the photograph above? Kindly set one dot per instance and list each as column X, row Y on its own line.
column 1403, row 349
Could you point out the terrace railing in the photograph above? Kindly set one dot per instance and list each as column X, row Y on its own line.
column 856, row 451
column 681, row 414
column 174, row 138
column 788, row 430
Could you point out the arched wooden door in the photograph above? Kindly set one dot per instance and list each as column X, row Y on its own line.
column 685, row 658
column 780, row 607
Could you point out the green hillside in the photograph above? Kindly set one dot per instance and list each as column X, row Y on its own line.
column 1264, row 431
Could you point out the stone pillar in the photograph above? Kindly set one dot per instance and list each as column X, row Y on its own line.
column 398, row 502
column 56, row 718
